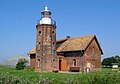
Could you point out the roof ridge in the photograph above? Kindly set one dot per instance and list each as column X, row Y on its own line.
column 83, row 36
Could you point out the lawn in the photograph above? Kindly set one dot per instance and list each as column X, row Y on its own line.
column 12, row 76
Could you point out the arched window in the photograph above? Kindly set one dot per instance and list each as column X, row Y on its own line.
column 74, row 62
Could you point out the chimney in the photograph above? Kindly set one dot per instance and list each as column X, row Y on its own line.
column 67, row 37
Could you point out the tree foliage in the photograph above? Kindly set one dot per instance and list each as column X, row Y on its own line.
column 107, row 61
column 21, row 64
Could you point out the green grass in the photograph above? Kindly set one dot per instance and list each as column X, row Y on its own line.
column 13, row 76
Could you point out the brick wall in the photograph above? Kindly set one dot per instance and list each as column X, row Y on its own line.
column 92, row 57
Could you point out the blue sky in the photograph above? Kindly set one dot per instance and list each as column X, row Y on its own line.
column 74, row 18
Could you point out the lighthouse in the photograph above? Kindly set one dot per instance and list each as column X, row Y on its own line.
column 46, row 42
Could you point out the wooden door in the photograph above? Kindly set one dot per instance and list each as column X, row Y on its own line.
column 63, row 65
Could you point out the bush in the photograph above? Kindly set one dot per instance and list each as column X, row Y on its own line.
column 21, row 64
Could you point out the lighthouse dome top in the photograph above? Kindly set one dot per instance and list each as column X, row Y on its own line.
column 46, row 17
column 46, row 12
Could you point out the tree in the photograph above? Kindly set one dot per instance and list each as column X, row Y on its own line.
column 21, row 64
column 107, row 61
column 118, row 59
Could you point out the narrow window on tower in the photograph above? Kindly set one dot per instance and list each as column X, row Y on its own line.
column 39, row 46
column 53, row 60
column 53, row 43
column 53, row 32
column 38, row 62
column 39, row 32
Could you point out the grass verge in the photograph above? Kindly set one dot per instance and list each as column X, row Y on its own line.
column 12, row 76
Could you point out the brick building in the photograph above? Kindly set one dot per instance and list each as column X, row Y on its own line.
column 81, row 53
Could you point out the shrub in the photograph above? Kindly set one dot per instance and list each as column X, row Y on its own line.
column 21, row 64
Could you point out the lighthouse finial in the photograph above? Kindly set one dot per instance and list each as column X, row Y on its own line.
column 46, row 7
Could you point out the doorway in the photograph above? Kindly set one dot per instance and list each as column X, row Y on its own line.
column 63, row 65
column 60, row 64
